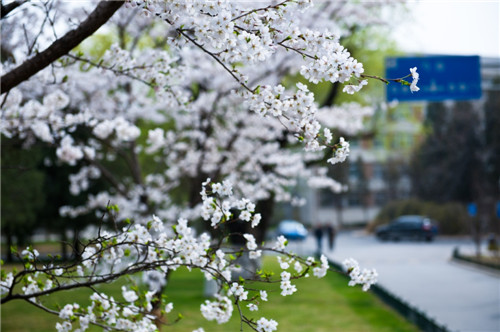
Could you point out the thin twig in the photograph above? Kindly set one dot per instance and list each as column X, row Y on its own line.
column 215, row 58
column 259, row 9
column 123, row 72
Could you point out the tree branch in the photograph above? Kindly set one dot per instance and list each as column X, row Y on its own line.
column 101, row 14
column 109, row 176
column 10, row 7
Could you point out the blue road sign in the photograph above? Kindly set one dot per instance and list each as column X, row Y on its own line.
column 441, row 78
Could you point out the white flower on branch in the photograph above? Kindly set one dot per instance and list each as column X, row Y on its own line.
column 415, row 76
column 340, row 153
column 265, row 325
column 219, row 310
column 363, row 277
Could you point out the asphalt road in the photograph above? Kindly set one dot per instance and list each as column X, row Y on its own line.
column 462, row 297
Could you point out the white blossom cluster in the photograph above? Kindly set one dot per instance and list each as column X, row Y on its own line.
column 320, row 271
column 242, row 33
column 233, row 33
column 363, row 277
column 80, row 181
column 238, row 291
column 281, row 243
column 33, row 285
column 321, row 180
column 41, row 118
column 286, row 286
column 341, row 152
column 117, row 131
column 252, row 246
column 107, row 310
column 346, row 118
column 30, row 253
column 6, row 283
column 218, row 212
column 51, row 123
column 266, row 325
column 123, row 129
column 298, row 109
column 219, row 310
column 156, row 68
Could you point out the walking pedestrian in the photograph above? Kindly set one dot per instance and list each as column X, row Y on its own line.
column 318, row 234
column 330, row 232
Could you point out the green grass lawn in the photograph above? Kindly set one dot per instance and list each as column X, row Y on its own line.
column 326, row 304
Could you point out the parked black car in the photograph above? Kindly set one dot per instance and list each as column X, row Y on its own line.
column 413, row 227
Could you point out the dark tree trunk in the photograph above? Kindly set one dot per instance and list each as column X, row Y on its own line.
column 64, row 248
column 266, row 210
column 9, row 245
column 77, row 250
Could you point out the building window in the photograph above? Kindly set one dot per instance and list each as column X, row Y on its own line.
column 354, row 199
column 326, row 198
column 378, row 172
column 354, row 171
column 380, row 198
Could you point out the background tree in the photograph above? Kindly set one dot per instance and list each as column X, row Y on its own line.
column 457, row 156
column 23, row 199
column 443, row 167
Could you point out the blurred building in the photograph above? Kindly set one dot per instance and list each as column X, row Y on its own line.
column 377, row 170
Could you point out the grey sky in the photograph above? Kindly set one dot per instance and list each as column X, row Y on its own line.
column 452, row 27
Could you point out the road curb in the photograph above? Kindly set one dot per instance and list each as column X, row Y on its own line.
column 475, row 266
